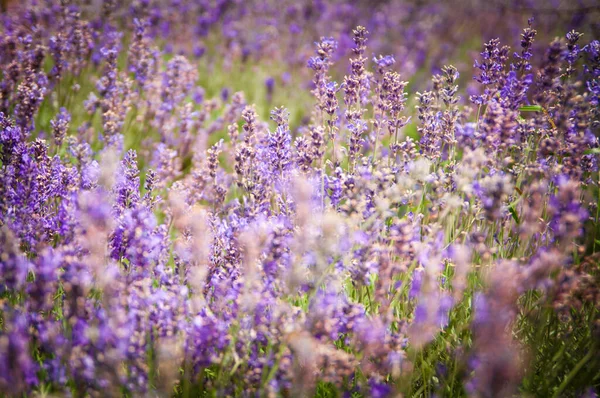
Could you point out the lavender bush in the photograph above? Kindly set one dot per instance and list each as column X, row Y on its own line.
column 380, row 234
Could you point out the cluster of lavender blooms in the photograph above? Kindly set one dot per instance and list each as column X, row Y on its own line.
column 425, row 34
column 422, row 33
column 158, row 242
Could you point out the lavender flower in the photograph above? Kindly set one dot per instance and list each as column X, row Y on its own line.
column 60, row 125
column 344, row 251
column 18, row 370
column 522, row 65
column 567, row 214
column 128, row 183
column 491, row 68
column 14, row 263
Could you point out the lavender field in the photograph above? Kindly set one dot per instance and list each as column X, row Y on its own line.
column 298, row 198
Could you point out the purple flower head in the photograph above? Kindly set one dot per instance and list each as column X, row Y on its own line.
column 17, row 368
column 42, row 290
column 225, row 94
column 493, row 57
column 270, row 85
column 384, row 61
column 136, row 239
column 60, row 125
column 522, row 60
column 357, row 129
column 280, row 116
column 593, row 57
column 326, row 47
column 13, row 263
column 446, row 304
column 415, row 284
column 89, row 175
column 514, row 91
column 166, row 164
column 573, row 49
column 109, row 53
column 30, row 95
column 178, row 80
column 199, row 51
column 481, row 308
column 568, row 214
column 127, row 186
column 592, row 67
column 316, row 63
column 330, row 102
column 493, row 192
column 10, row 136
column 278, row 151
column 378, row 389
column 141, row 57
column 491, row 69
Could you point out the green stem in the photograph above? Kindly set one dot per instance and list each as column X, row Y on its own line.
column 573, row 373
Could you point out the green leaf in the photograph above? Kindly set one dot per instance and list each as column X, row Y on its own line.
column 531, row 108
column 591, row 151
column 514, row 214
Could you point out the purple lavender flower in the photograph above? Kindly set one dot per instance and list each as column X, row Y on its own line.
column 60, row 125
column 384, row 61
column 492, row 73
column 17, row 368
column 30, row 94
column 127, row 187
column 141, row 58
column 379, row 390
column 278, row 145
column 568, row 216
column 573, row 50
column 136, row 239
column 523, row 64
column 14, row 264
column 42, row 290
column 292, row 260
column 270, row 86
